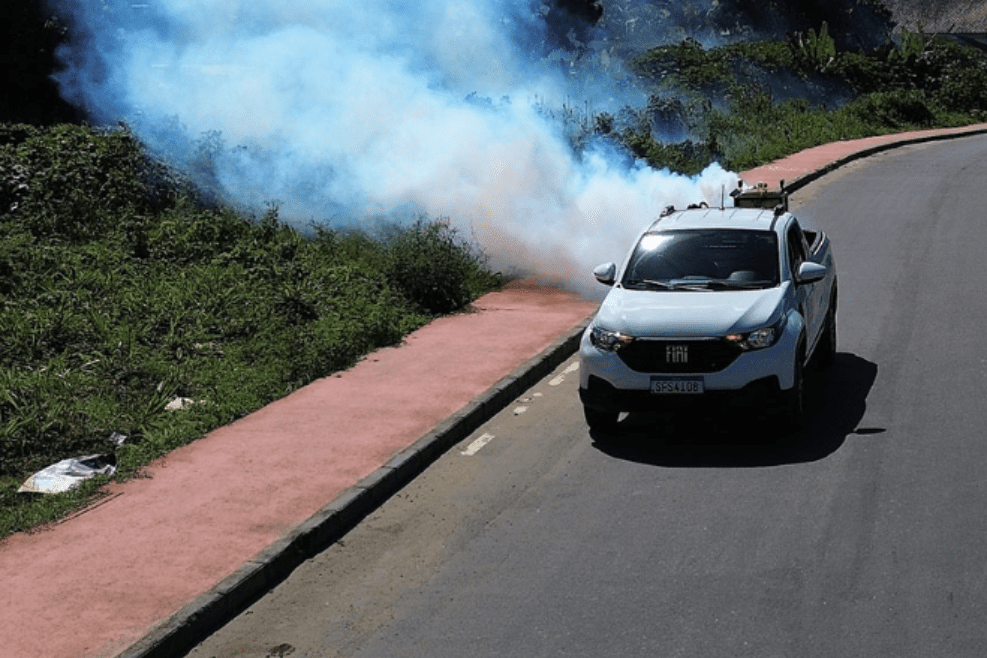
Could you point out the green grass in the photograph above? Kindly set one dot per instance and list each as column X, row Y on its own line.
column 742, row 104
column 118, row 295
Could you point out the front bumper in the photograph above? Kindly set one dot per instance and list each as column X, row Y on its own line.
column 603, row 396
column 753, row 380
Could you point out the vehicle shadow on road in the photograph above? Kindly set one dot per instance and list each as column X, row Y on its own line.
column 835, row 399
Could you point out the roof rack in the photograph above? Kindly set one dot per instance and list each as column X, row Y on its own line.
column 759, row 196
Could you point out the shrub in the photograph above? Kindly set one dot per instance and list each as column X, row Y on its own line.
column 894, row 110
column 433, row 267
column 964, row 90
column 71, row 182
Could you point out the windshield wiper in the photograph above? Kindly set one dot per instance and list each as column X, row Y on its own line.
column 650, row 283
column 726, row 284
column 705, row 285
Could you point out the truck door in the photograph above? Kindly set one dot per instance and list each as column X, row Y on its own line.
column 806, row 295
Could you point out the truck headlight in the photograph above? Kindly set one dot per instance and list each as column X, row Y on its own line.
column 759, row 338
column 606, row 340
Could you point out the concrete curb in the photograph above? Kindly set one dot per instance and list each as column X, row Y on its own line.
column 813, row 176
column 210, row 611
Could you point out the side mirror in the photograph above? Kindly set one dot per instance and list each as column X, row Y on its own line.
column 606, row 273
column 810, row 273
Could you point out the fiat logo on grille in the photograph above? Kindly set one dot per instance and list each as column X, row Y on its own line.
column 676, row 354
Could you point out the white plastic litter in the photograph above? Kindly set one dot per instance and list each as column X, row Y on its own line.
column 68, row 473
column 178, row 404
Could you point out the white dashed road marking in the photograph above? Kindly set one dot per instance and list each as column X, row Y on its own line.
column 478, row 443
column 561, row 378
column 486, row 437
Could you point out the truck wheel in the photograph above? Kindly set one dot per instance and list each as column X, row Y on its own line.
column 601, row 421
column 793, row 400
column 827, row 345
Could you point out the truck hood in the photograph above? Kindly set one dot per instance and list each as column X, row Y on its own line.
column 680, row 314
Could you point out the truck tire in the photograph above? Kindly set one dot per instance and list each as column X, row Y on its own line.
column 827, row 343
column 793, row 400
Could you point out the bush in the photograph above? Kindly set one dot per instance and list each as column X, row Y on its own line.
column 434, row 268
column 964, row 90
column 895, row 110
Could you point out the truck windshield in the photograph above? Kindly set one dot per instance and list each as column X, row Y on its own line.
column 706, row 259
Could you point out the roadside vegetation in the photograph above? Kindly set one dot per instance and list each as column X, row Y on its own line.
column 746, row 104
column 121, row 292
column 123, row 288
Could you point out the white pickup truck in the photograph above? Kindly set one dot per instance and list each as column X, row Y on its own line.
column 711, row 306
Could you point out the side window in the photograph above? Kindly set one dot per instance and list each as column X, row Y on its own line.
column 796, row 248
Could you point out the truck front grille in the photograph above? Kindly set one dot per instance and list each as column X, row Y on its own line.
column 679, row 356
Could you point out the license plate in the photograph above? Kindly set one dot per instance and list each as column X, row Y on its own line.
column 678, row 386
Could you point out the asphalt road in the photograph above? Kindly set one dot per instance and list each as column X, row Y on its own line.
column 861, row 536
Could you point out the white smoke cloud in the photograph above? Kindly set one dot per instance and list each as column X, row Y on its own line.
column 339, row 111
